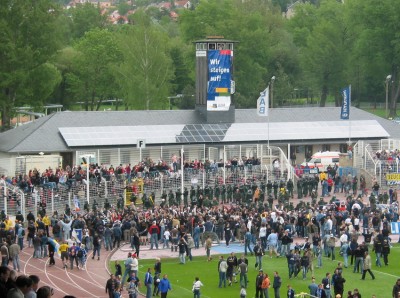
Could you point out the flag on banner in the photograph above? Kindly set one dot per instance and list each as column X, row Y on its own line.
column 345, row 112
column 77, row 235
column 263, row 103
column 55, row 244
column 77, row 204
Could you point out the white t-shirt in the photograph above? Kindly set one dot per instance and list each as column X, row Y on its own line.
column 167, row 234
column 263, row 232
column 135, row 265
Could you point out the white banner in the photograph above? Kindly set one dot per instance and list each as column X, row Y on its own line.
column 263, row 103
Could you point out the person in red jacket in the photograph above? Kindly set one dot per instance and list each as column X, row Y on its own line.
column 154, row 230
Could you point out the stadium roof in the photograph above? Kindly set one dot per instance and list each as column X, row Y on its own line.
column 66, row 131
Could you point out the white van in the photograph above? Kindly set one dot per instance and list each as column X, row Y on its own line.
column 322, row 160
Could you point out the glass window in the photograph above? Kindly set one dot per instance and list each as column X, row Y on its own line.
column 211, row 46
column 326, row 147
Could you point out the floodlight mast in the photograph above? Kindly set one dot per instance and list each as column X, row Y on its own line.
column 388, row 79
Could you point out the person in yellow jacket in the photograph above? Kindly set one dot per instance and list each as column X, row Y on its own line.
column 9, row 223
column 64, row 253
column 47, row 222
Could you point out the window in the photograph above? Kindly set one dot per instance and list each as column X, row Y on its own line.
column 326, row 147
column 211, row 46
column 201, row 46
column 343, row 148
column 308, row 151
column 335, row 159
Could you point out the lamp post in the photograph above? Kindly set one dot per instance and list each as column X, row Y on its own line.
column 388, row 78
column 272, row 91
column 86, row 160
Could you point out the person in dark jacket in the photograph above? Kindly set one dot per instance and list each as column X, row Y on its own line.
column 259, row 280
column 277, row 284
column 338, row 285
column 117, row 232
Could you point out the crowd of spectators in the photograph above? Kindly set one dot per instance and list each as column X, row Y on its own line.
column 248, row 212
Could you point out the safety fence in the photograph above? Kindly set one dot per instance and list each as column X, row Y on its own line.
column 370, row 156
column 224, row 165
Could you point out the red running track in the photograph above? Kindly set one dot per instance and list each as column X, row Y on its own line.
column 89, row 282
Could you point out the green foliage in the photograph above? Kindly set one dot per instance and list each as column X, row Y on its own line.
column 123, row 8
column 28, row 37
column 91, row 78
column 146, row 71
column 67, row 55
column 85, row 17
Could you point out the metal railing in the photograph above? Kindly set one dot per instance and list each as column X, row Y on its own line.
column 219, row 168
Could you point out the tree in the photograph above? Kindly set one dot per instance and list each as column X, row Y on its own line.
column 64, row 61
column 377, row 47
column 28, row 38
column 123, row 8
column 85, row 17
column 146, row 71
column 324, row 55
column 92, row 79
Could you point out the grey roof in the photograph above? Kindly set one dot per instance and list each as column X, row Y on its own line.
column 44, row 134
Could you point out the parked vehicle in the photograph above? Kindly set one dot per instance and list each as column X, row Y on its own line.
column 322, row 160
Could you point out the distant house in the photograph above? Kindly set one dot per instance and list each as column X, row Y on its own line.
column 183, row 4
column 165, row 5
column 104, row 4
column 291, row 9
column 173, row 15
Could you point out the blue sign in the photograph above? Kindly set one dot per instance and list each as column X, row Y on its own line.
column 395, row 227
column 345, row 112
column 219, row 80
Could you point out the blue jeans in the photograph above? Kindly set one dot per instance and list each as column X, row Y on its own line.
column 259, row 261
column 196, row 293
column 154, row 240
column 319, row 260
column 16, row 262
column 378, row 259
column 346, row 260
column 358, row 264
column 96, row 249
column 328, row 293
column 189, row 252
column 196, row 239
column 44, row 251
column 243, row 280
column 21, row 242
column 125, row 276
column 305, row 269
column 222, row 279
column 148, row 291
column 166, row 243
column 247, row 246
column 107, row 243
column 36, row 251
column 182, row 258
column 332, row 252
column 264, row 242
column 266, row 295
column 291, row 269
